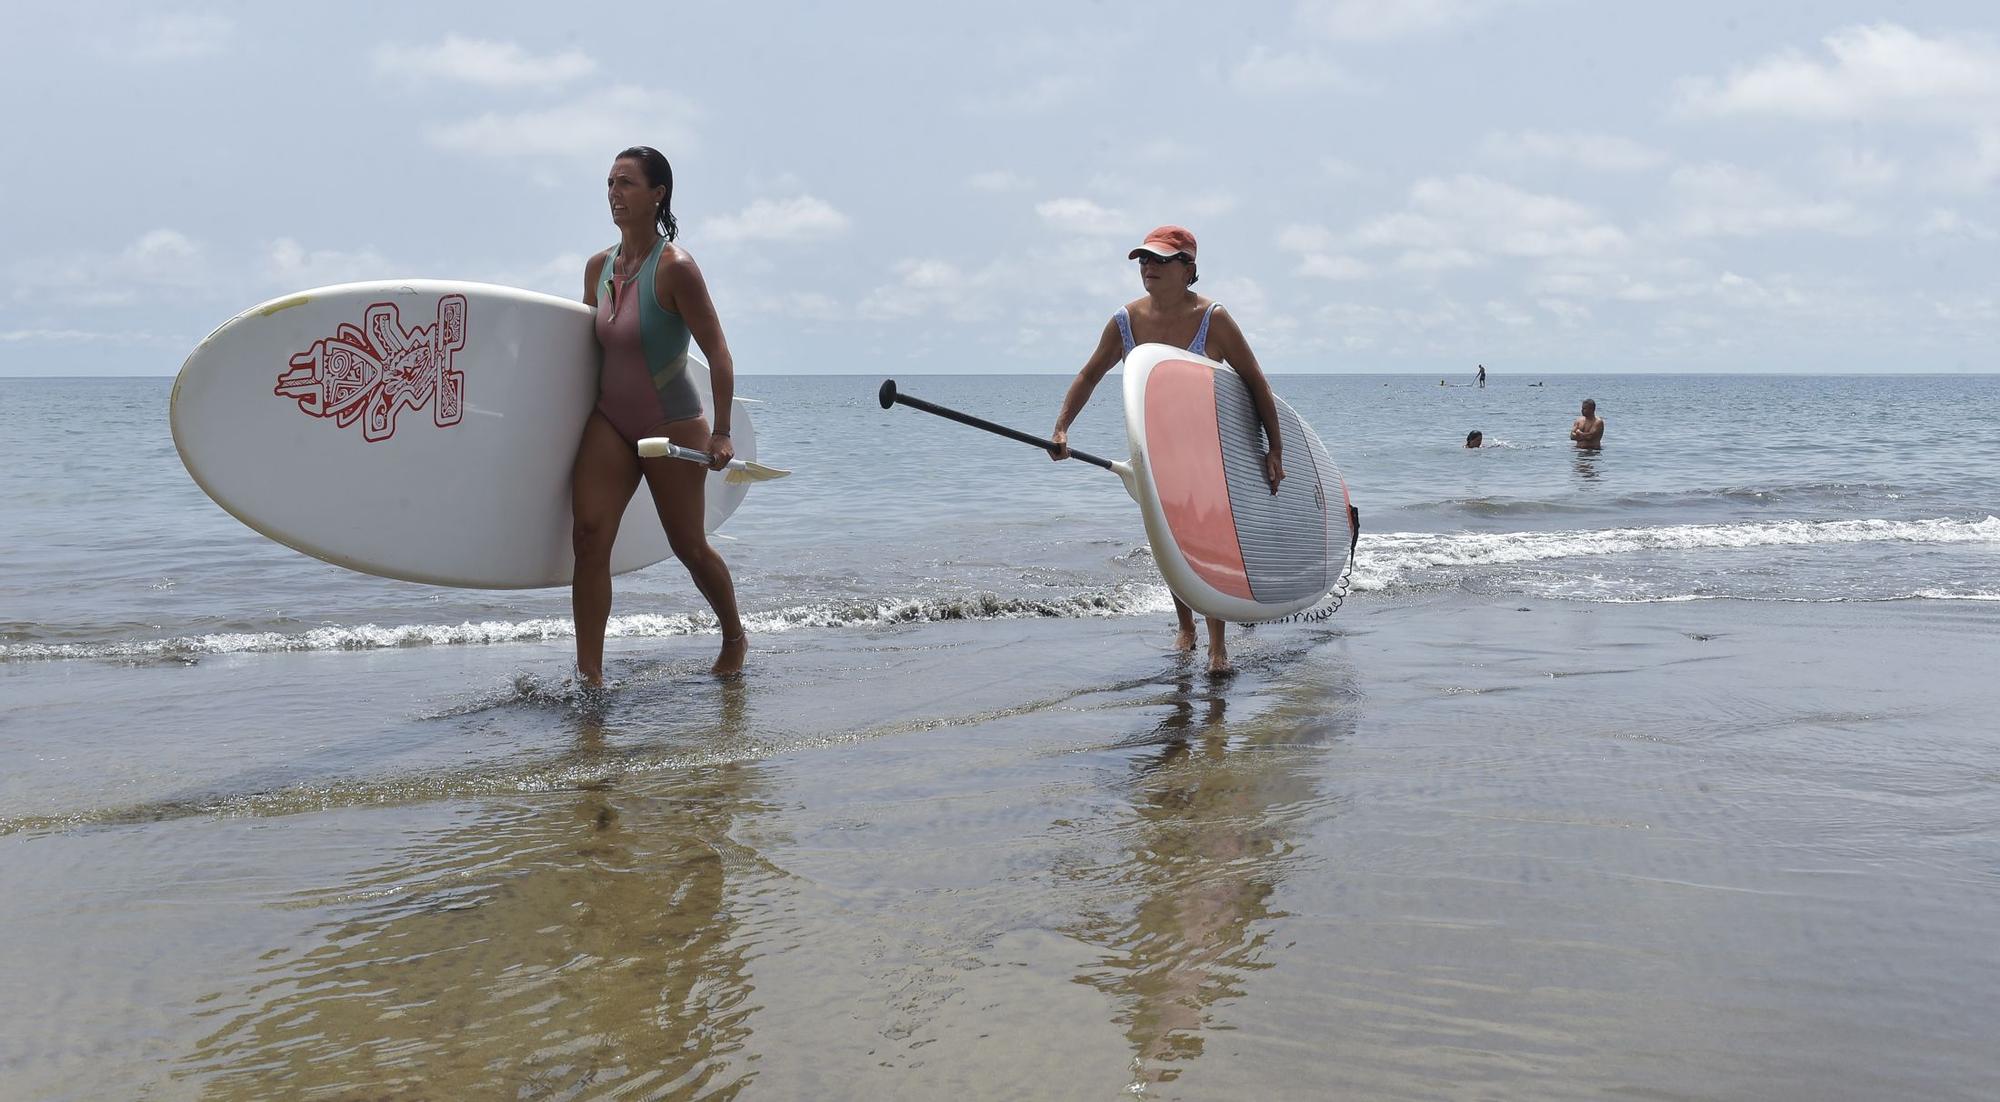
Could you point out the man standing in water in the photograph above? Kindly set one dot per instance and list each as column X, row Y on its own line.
column 1482, row 374
column 1588, row 429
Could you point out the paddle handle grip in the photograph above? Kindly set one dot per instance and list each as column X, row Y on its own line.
column 656, row 447
column 889, row 397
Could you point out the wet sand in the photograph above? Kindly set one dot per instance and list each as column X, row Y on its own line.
column 1434, row 849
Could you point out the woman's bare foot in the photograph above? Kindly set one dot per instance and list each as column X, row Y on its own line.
column 730, row 662
column 1184, row 641
column 1218, row 663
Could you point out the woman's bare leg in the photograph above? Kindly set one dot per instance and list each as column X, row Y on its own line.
column 1184, row 637
column 600, row 486
column 678, row 494
column 1218, row 654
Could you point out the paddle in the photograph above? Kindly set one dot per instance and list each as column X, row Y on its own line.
column 740, row 470
column 888, row 397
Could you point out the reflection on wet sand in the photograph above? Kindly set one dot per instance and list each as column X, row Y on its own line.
column 1207, row 842
column 543, row 948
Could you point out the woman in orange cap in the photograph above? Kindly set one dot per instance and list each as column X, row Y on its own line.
column 1171, row 313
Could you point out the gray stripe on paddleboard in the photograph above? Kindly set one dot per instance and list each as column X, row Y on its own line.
column 1288, row 538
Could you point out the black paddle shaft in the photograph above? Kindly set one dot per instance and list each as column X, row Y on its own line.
column 889, row 397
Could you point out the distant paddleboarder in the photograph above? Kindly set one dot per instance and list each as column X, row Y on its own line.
column 1171, row 313
column 1482, row 375
column 650, row 300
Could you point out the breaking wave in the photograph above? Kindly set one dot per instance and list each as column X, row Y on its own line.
column 1125, row 600
column 1388, row 562
column 1391, row 559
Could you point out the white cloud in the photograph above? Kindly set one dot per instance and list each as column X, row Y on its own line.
column 1076, row 215
column 1508, row 314
column 159, row 261
column 1976, row 169
column 83, row 336
column 1861, row 169
column 1381, row 20
column 1334, row 267
column 1212, row 205
column 1950, row 223
column 1165, row 149
column 1966, row 308
column 799, row 218
column 163, row 258
column 1742, row 291
column 1451, row 221
column 1570, row 314
column 178, row 36
column 1245, row 298
column 1402, row 228
column 1333, row 168
column 1034, row 96
column 1636, row 280
column 290, row 266
column 598, row 125
column 926, row 286
column 1438, row 260
column 1303, row 238
column 1317, row 256
column 997, row 180
column 560, row 275
column 1268, row 72
column 1441, row 316
column 483, row 62
column 1881, row 71
column 796, row 306
column 1597, row 152
column 1722, row 200
column 1641, row 290
column 1508, row 220
column 1353, row 314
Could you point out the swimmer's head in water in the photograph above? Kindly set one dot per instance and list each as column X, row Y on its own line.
column 1589, row 406
column 1473, row 439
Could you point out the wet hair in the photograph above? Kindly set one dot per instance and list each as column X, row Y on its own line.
column 658, row 174
column 1591, row 402
column 1474, row 438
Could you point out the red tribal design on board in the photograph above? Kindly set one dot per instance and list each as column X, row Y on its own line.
column 371, row 372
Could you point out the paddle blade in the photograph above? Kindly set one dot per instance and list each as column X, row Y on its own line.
column 753, row 472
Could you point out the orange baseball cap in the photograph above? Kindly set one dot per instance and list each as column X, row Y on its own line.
column 1166, row 241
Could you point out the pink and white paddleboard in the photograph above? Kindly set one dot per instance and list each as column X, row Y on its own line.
column 1224, row 542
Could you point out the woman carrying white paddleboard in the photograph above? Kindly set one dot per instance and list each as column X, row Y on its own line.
column 1171, row 313
column 650, row 299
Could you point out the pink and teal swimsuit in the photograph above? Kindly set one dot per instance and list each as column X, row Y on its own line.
column 644, row 382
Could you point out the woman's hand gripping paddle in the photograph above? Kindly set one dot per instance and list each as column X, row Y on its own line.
column 740, row 470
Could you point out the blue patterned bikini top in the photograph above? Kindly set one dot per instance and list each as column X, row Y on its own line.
column 1199, row 346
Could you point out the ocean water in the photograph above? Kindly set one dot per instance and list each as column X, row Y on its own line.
column 1667, row 770
column 1755, row 488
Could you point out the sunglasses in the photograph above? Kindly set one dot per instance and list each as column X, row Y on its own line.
column 1150, row 259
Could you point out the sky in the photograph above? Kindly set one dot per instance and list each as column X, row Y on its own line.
column 1420, row 186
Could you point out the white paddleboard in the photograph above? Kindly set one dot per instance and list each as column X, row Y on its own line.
column 1224, row 543
column 415, row 429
